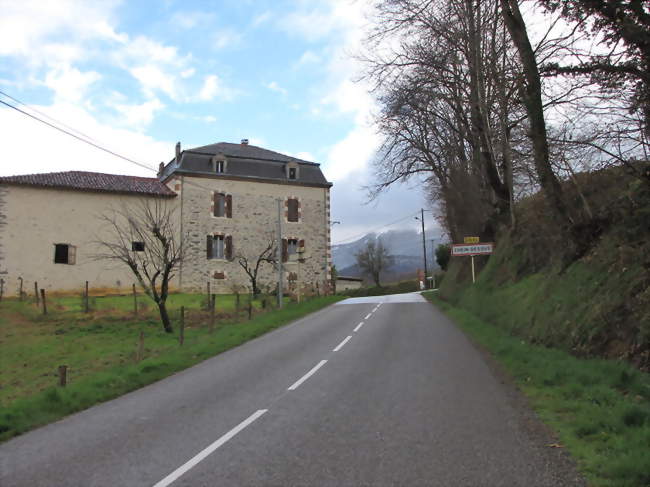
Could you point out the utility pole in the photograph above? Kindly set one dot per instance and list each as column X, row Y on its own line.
column 280, row 270
column 424, row 250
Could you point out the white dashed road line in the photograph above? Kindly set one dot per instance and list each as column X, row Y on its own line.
column 358, row 327
column 307, row 375
column 340, row 345
column 210, row 449
column 367, row 316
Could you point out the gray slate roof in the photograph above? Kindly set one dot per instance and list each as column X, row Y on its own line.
column 92, row 181
column 245, row 161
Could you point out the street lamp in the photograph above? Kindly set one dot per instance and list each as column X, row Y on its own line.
column 424, row 247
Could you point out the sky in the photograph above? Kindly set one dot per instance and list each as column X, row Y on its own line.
column 137, row 76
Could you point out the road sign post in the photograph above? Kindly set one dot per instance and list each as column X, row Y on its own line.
column 472, row 249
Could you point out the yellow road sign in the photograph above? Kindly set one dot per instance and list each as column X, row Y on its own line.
column 471, row 240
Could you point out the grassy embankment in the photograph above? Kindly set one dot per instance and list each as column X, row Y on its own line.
column 100, row 349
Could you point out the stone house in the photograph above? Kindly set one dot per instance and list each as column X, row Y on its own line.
column 225, row 197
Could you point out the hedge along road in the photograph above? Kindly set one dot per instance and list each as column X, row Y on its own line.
column 378, row 391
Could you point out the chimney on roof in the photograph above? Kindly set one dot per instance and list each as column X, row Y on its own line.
column 244, row 141
column 161, row 166
column 178, row 152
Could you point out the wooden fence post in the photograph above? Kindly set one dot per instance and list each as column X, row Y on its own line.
column 209, row 295
column 135, row 302
column 36, row 293
column 63, row 375
column 20, row 291
column 213, row 299
column 181, row 337
column 43, row 301
column 86, row 307
column 2, row 288
column 140, row 354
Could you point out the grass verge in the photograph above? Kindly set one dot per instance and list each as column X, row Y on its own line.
column 599, row 408
column 164, row 357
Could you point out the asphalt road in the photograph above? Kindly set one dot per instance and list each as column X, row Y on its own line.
column 402, row 399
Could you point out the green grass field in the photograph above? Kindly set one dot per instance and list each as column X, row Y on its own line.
column 600, row 409
column 100, row 348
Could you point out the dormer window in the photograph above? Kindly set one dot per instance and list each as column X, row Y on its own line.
column 219, row 164
column 292, row 171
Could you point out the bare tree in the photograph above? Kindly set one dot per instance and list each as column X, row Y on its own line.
column 266, row 253
column 532, row 99
column 145, row 238
column 374, row 259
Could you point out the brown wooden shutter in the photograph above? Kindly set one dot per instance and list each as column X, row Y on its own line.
column 229, row 206
column 229, row 247
column 301, row 244
column 215, row 203
column 208, row 246
column 285, row 250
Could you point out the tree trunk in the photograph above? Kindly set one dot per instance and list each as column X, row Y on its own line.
column 164, row 317
column 532, row 98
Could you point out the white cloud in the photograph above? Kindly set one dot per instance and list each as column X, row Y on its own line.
column 26, row 28
column 188, row 73
column 305, row 156
column 261, row 19
column 309, row 57
column 351, row 155
column 211, row 88
column 342, row 23
column 140, row 115
column 209, row 119
column 64, row 153
column 143, row 48
column 69, row 84
column 273, row 86
column 226, row 38
column 152, row 79
column 190, row 20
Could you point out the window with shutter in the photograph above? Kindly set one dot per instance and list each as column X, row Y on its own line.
column 292, row 209
column 219, row 204
column 60, row 253
column 215, row 247
column 292, row 246
column 229, row 249
column 229, row 206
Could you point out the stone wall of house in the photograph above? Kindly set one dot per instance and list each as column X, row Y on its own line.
column 253, row 222
column 33, row 220
column 3, row 229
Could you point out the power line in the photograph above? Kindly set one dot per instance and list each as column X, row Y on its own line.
column 351, row 239
column 90, row 142
column 59, row 122
column 97, row 146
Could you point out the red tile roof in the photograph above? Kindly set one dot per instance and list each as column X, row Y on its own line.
column 92, row 181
